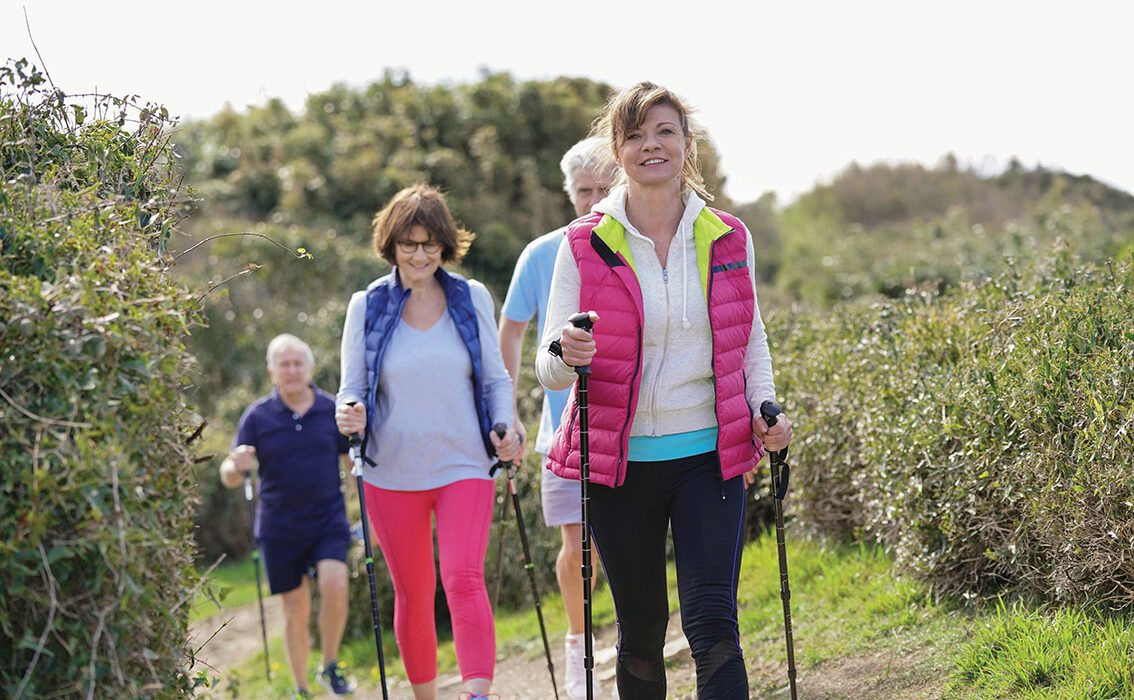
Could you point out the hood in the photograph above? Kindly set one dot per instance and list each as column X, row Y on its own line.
column 614, row 206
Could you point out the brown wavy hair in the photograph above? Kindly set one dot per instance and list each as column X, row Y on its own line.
column 627, row 110
column 420, row 205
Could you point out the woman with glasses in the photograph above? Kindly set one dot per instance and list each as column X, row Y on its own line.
column 423, row 381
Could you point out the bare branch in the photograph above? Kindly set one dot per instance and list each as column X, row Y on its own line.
column 50, row 584
column 251, row 268
column 199, row 585
column 241, row 233
column 46, row 72
column 41, row 419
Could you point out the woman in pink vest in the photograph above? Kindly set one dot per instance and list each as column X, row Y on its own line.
column 680, row 366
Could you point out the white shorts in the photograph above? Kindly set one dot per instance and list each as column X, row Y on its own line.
column 562, row 499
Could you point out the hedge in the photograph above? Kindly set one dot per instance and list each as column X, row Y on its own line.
column 95, row 437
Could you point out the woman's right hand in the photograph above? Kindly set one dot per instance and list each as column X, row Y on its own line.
column 351, row 419
column 577, row 345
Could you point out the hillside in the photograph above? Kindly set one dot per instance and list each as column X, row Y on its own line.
column 883, row 229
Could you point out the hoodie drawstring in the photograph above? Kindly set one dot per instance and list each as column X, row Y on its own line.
column 614, row 205
column 684, row 279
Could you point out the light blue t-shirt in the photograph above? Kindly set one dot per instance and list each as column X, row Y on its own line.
column 527, row 297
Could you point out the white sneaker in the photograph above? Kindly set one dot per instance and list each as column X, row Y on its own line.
column 575, row 653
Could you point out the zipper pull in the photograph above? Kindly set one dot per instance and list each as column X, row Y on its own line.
column 665, row 276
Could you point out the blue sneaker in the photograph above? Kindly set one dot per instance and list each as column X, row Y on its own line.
column 333, row 679
column 302, row 694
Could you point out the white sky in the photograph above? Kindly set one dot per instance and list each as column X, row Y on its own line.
column 790, row 91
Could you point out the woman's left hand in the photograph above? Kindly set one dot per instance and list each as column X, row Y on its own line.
column 775, row 438
column 507, row 448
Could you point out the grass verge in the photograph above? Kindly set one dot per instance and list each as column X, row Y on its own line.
column 1042, row 653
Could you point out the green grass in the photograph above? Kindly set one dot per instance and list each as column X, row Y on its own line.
column 847, row 606
column 1039, row 653
column 846, row 603
column 230, row 585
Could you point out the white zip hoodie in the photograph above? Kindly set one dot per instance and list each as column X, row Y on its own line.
column 676, row 393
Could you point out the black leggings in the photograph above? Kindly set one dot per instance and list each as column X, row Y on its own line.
column 629, row 525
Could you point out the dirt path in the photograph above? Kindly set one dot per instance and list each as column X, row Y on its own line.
column 907, row 676
column 521, row 672
column 910, row 675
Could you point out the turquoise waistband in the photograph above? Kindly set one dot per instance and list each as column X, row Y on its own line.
column 646, row 448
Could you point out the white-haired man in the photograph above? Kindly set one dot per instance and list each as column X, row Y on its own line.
column 587, row 171
column 301, row 524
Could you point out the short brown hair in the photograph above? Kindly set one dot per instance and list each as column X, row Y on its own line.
column 419, row 205
column 626, row 112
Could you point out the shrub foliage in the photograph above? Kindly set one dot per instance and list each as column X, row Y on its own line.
column 96, row 482
column 983, row 435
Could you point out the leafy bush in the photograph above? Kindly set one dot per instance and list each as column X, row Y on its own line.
column 493, row 146
column 97, row 482
column 983, row 435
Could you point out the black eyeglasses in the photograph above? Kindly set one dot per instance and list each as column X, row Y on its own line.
column 410, row 247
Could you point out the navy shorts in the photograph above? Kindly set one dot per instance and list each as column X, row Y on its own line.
column 287, row 561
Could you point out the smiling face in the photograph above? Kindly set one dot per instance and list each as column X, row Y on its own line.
column 417, row 264
column 653, row 154
column 418, row 208
column 290, row 371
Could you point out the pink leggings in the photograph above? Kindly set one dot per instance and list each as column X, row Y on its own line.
column 401, row 521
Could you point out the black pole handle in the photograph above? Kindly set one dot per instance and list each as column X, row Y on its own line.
column 770, row 411
column 501, row 430
column 355, row 439
column 582, row 320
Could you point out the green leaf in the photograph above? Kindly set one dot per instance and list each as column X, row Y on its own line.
column 58, row 552
column 224, row 591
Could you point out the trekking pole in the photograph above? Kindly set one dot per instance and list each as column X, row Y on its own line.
column 780, row 473
column 583, row 320
column 256, row 565
column 356, row 457
column 509, row 471
column 500, row 554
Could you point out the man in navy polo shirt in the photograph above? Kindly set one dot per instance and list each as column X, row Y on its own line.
column 301, row 523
